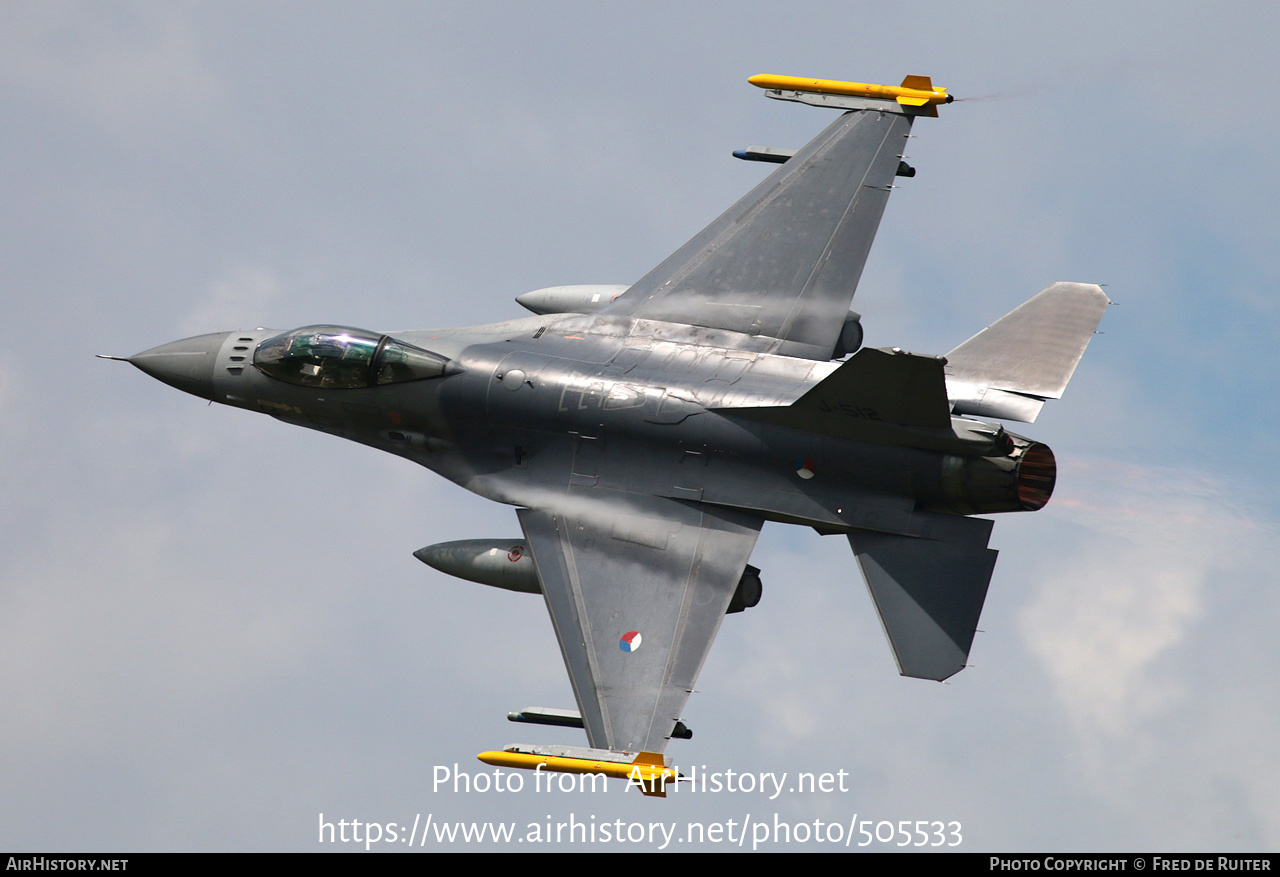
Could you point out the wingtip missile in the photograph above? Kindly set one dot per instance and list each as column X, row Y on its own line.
column 646, row 768
column 915, row 91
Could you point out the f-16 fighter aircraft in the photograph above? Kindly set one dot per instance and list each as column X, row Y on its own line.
column 646, row 433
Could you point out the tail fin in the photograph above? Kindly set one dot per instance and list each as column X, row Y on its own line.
column 1011, row 367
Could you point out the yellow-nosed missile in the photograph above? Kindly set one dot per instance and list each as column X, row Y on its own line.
column 649, row 767
column 915, row 91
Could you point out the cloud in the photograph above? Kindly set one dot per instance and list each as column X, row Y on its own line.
column 1133, row 589
column 1155, row 633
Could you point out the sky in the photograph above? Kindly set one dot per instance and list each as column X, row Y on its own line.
column 213, row 632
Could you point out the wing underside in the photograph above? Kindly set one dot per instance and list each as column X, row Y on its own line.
column 784, row 261
column 637, row 587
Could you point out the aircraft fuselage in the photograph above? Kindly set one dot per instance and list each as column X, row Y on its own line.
column 529, row 400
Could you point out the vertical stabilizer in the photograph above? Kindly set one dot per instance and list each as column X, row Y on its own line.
column 1011, row 367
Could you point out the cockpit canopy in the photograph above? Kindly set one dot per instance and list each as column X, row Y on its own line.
column 339, row 357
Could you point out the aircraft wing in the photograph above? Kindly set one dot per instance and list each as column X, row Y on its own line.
column 784, row 261
column 637, row 587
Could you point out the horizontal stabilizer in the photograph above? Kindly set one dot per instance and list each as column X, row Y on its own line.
column 1027, row 356
column 929, row 592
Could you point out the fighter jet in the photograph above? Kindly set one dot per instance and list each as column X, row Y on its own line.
column 646, row 433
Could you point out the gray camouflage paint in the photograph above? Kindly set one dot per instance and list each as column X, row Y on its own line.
column 647, row 441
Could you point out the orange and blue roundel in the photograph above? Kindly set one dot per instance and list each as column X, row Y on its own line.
column 630, row 641
column 805, row 467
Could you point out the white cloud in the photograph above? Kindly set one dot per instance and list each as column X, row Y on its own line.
column 1132, row 589
column 1155, row 634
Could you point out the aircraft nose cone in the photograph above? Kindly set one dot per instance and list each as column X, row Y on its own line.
column 186, row 364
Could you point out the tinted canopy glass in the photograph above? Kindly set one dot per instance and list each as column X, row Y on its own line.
column 339, row 357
